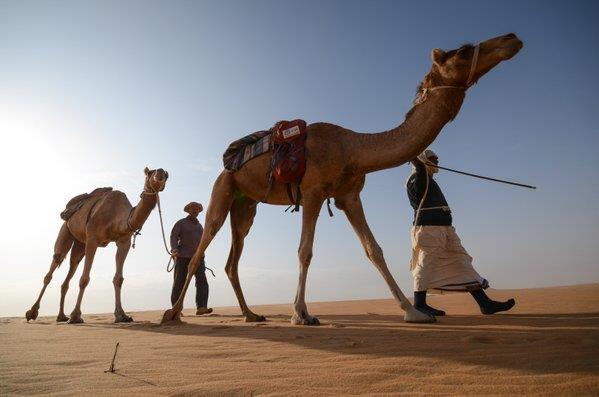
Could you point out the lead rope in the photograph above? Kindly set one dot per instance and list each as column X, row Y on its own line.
column 169, row 268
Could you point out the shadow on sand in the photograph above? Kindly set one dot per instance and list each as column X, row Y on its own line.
column 540, row 343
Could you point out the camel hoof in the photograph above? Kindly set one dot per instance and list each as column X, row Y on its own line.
column 171, row 315
column 75, row 320
column 61, row 318
column 415, row 316
column 308, row 320
column 123, row 318
column 255, row 318
column 31, row 314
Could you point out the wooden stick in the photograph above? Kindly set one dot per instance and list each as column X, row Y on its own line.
column 111, row 369
column 482, row 177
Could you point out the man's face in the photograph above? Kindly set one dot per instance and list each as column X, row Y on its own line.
column 432, row 169
column 194, row 211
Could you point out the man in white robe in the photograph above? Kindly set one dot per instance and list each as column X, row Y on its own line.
column 439, row 261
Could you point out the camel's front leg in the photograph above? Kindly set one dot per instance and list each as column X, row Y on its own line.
column 352, row 206
column 90, row 251
column 121, row 254
column 311, row 208
column 221, row 199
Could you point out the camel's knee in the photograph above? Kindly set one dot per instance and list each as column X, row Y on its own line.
column 83, row 282
column 374, row 252
column 64, row 287
column 118, row 281
column 48, row 278
column 305, row 256
column 58, row 258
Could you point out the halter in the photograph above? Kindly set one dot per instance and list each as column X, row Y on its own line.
column 469, row 81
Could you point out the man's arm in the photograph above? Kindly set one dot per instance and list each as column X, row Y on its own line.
column 175, row 233
column 421, row 176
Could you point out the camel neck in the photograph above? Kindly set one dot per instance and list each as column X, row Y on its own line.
column 378, row 151
column 142, row 211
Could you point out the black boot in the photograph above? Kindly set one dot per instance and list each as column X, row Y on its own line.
column 488, row 305
column 420, row 304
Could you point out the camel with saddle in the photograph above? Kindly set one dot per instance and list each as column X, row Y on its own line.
column 336, row 163
column 94, row 220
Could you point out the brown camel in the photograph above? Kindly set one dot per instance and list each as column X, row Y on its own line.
column 97, row 223
column 337, row 161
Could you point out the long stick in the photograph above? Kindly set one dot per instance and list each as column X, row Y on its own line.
column 483, row 177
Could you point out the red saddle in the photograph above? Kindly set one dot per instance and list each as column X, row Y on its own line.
column 289, row 158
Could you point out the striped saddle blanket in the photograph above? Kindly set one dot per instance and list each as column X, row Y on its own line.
column 243, row 150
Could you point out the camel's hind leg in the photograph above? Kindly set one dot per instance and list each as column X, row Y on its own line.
column 77, row 253
column 243, row 211
column 63, row 244
column 352, row 206
column 223, row 193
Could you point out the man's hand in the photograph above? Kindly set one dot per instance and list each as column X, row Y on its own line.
column 175, row 253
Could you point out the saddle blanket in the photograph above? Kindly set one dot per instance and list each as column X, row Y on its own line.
column 77, row 202
column 243, row 150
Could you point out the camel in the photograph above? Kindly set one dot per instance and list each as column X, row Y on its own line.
column 97, row 223
column 337, row 161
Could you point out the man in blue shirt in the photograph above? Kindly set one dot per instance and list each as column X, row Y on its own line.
column 185, row 238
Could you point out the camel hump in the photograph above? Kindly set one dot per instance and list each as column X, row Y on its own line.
column 77, row 202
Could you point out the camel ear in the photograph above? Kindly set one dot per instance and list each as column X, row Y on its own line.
column 146, row 170
column 438, row 56
column 166, row 172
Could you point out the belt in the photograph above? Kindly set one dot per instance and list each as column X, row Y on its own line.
column 443, row 207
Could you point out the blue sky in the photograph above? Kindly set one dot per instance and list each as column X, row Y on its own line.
column 92, row 92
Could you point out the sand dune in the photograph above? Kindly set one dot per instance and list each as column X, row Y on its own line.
column 548, row 345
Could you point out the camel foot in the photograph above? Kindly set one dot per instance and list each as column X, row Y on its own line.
column 122, row 318
column 171, row 315
column 75, row 320
column 61, row 318
column 31, row 313
column 254, row 318
column 415, row 316
column 305, row 319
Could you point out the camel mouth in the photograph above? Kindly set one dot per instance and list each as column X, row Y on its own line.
column 511, row 45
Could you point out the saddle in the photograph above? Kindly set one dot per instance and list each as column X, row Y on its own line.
column 77, row 202
column 288, row 162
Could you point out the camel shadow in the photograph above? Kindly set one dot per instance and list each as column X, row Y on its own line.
column 540, row 343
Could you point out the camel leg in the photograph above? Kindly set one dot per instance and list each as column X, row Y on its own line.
column 242, row 216
column 90, row 252
column 121, row 255
column 311, row 208
column 221, row 199
column 63, row 244
column 77, row 253
column 352, row 206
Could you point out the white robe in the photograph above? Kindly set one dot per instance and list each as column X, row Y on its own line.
column 439, row 261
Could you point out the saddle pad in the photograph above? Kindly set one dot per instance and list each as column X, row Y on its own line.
column 77, row 202
column 245, row 149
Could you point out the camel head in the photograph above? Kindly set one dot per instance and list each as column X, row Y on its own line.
column 463, row 66
column 155, row 180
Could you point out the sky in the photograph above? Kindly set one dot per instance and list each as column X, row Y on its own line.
column 93, row 92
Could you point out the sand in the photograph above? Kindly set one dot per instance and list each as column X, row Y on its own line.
column 548, row 345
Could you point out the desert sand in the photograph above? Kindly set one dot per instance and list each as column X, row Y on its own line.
column 547, row 345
